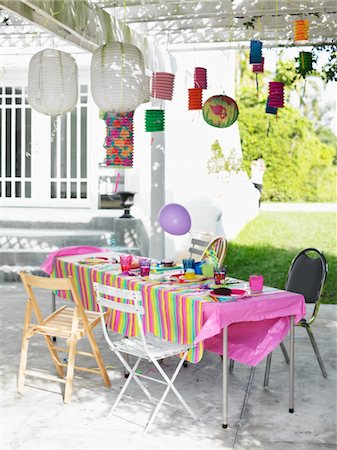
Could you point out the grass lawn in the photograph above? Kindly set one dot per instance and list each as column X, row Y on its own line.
column 268, row 244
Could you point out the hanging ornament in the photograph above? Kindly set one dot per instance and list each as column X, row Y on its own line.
column 220, row 111
column 154, row 120
column 162, row 85
column 255, row 56
column 147, row 83
column 304, row 63
column 301, row 31
column 117, row 77
column 276, row 94
column 270, row 109
column 195, row 98
column 52, row 82
column 119, row 139
column 200, row 77
column 258, row 68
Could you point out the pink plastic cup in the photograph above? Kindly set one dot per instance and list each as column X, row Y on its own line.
column 256, row 283
column 125, row 262
column 145, row 265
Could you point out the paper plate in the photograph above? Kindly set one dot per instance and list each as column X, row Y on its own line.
column 183, row 279
column 94, row 260
column 231, row 295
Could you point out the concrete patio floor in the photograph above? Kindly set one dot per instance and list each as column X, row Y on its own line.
column 39, row 420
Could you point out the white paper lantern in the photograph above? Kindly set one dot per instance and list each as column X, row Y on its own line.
column 52, row 82
column 147, row 90
column 117, row 77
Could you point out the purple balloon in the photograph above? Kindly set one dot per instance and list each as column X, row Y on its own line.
column 174, row 219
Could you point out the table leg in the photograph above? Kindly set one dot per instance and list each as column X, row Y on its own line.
column 291, row 365
column 224, row 377
column 53, row 301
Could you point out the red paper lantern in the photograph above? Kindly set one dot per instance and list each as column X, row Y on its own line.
column 162, row 85
column 259, row 68
column 195, row 98
column 200, row 77
column 276, row 94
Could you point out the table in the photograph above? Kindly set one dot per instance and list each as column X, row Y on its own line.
column 244, row 330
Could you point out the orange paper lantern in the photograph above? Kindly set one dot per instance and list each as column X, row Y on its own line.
column 301, row 31
column 195, row 98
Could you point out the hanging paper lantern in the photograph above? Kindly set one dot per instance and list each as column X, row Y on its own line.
column 52, row 82
column 162, row 85
column 255, row 56
column 220, row 111
column 117, row 77
column 259, row 68
column 119, row 139
column 270, row 109
column 276, row 94
column 200, row 77
column 154, row 120
column 301, row 31
column 304, row 63
column 195, row 98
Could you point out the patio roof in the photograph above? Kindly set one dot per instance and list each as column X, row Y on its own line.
column 231, row 23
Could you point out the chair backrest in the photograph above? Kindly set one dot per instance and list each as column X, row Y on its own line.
column 197, row 247
column 31, row 282
column 219, row 245
column 307, row 274
column 123, row 300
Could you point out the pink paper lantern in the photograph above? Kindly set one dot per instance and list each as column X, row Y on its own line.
column 162, row 85
column 276, row 94
column 259, row 68
column 200, row 77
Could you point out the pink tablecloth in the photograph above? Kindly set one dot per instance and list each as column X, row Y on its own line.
column 256, row 324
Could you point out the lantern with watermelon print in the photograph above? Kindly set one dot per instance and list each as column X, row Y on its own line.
column 220, row 111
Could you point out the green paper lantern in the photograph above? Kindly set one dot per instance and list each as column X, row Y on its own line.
column 220, row 111
column 154, row 120
column 304, row 63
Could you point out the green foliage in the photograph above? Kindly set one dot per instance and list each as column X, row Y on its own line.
column 268, row 244
column 329, row 71
column 219, row 164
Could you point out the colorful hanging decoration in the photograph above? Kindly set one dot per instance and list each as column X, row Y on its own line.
column 147, row 84
column 117, row 77
column 270, row 109
column 195, row 98
column 258, row 68
column 301, row 31
column 52, row 82
column 200, row 77
column 119, row 139
column 154, row 120
column 220, row 111
column 255, row 56
column 276, row 94
column 304, row 63
column 162, row 85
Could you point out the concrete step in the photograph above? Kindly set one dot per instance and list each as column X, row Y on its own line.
column 96, row 223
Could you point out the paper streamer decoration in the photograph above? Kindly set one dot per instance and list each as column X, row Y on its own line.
column 195, row 98
column 301, row 31
column 259, row 68
column 117, row 77
column 162, row 85
column 220, row 111
column 276, row 94
column 304, row 63
column 270, row 109
column 200, row 77
column 119, row 139
column 255, row 56
column 154, row 120
column 52, row 82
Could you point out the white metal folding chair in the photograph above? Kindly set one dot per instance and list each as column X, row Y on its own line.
column 149, row 347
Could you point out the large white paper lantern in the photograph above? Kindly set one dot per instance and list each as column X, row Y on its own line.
column 52, row 82
column 117, row 77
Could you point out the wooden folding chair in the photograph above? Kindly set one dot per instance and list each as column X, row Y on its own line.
column 219, row 245
column 68, row 323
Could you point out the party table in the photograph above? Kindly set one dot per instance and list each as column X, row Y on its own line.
column 245, row 329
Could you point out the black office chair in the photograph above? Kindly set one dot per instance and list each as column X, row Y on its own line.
column 306, row 276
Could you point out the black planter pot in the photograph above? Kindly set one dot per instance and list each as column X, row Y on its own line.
column 126, row 199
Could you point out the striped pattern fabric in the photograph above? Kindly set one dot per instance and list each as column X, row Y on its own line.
column 172, row 312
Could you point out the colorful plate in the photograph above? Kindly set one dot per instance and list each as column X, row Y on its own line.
column 94, row 260
column 183, row 279
column 230, row 295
